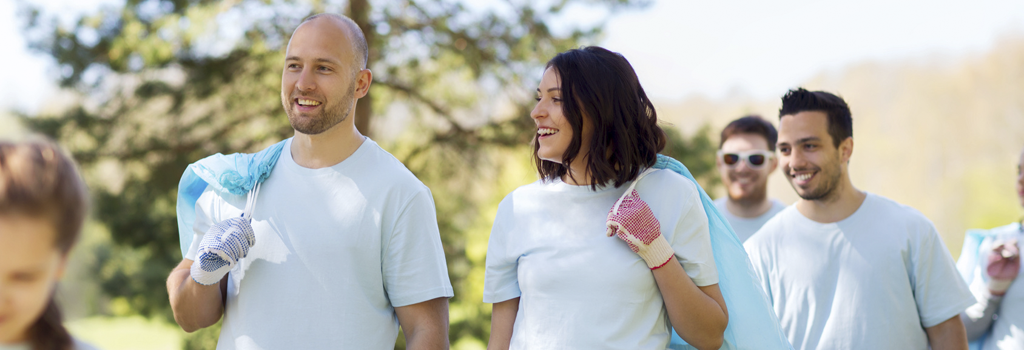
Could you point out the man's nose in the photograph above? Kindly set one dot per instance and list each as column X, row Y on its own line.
column 306, row 81
column 743, row 164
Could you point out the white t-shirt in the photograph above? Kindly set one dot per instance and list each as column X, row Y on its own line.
column 745, row 227
column 874, row 280
column 1008, row 328
column 579, row 288
column 336, row 250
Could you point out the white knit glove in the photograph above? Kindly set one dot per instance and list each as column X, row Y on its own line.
column 224, row 245
column 634, row 222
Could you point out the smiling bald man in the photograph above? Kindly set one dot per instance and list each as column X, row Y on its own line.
column 347, row 248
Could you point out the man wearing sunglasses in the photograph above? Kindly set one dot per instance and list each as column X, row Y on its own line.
column 746, row 156
column 844, row 268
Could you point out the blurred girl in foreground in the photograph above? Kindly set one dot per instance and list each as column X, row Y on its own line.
column 556, row 279
column 42, row 207
column 990, row 262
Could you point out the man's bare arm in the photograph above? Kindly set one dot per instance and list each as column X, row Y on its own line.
column 503, row 318
column 948, row 335
column 425, row 324
column 195, row 306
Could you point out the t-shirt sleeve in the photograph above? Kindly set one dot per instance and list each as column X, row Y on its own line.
column 501, row 274
column 939, row 290
column 205, row 218
column 691, row 239
column 413, row 263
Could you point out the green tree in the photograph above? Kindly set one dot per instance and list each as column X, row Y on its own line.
column 163, row 83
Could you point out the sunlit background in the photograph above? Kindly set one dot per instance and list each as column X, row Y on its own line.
column 137, row 92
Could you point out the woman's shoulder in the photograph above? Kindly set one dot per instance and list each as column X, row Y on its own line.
column 667, row 182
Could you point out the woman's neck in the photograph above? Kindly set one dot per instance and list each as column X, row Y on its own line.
column 577, row 173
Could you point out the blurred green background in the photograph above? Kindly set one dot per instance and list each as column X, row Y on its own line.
column 148, row 87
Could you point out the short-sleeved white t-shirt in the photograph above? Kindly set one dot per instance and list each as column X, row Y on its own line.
column 874, row 280
column 578, row 288
column 745, row 227
column 337, row 249
column 1007, row 329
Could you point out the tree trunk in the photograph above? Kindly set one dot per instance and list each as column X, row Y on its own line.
column 359, row 11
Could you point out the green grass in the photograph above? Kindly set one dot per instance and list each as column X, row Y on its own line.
column 126, row 333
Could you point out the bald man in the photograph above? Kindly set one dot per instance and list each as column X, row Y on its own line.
column 347, row 246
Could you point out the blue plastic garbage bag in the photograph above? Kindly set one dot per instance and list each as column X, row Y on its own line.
column 235, row 173
column 752, row 321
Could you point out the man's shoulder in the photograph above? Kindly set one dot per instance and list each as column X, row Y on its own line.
column 772, row 230
column 384, row 167
column 720, row 203
column 883, row 209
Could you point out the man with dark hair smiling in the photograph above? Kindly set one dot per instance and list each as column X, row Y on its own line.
column 847, row 269
column 340, row 248
column 746, row 156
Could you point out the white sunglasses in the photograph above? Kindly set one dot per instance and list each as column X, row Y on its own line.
column 754, row 159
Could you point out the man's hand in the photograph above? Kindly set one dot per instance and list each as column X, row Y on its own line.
column 222, row 247
column 632, row 221
column 1003, row 266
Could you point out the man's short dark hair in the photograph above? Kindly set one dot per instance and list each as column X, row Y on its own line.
column 751, row 124
column 361, row 51
column 840, row 123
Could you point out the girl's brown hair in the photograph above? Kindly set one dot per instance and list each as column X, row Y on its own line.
column 601, row 85
column 38, row 180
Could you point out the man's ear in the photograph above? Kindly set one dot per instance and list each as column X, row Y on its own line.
column 846, row 149
column 363, row 80
column 773, row 163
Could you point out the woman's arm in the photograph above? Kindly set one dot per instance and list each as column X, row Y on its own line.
column 503, row 316
column 698, row 314
column 978, row 318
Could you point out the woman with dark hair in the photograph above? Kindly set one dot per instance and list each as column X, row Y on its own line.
column 556, row 279
column 42, row 208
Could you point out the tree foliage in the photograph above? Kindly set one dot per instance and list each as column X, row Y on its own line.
column 163, row 83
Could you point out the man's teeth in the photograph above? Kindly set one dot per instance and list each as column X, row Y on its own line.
column 803, row 177
column 546, row 131
column 305, row 102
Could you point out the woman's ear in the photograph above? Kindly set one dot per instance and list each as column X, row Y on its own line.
column 62, row 265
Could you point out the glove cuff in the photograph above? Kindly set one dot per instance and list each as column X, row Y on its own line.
column 217, row 265
column 998, row 287
column 657, row 253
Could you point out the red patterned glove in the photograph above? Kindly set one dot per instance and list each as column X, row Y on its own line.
column 1003, row 266
column 632, row 221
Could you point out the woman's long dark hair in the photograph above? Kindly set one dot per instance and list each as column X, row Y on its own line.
column 601, row 85
column 37, row 180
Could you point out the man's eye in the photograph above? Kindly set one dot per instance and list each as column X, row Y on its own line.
column 325, row 69
column 537, row 98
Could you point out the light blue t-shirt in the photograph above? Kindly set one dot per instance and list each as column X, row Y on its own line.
column 579, row 288
column 745, row 227
column 874, row 280
column 337, row 249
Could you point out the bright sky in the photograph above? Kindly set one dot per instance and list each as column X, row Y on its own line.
column 683, row 47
